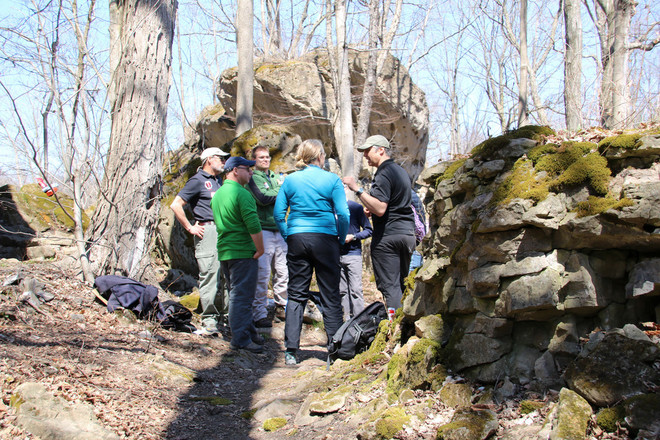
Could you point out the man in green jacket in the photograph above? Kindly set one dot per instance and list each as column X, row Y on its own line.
column 264, row 186
column 240, row 244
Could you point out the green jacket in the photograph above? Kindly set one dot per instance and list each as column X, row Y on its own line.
column 264, row 188
column 235, row 216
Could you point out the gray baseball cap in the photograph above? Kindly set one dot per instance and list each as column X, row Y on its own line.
column 374, row 141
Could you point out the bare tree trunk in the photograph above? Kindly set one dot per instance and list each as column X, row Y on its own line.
column 122, row 227
column 344, row 103
column 573, row 65
column 370, row 76
column 625, row 9
column 522, row 90
column 245, row 43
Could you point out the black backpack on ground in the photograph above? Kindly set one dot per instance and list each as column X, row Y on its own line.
column 357, row 334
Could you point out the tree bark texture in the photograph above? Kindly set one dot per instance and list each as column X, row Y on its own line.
column 573, row 64
column 245, row 46
column 122, row 227
column 344, row 136
column 522, row 91
column 613, row 23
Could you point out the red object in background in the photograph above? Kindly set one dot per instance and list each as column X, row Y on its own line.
column 45, row 187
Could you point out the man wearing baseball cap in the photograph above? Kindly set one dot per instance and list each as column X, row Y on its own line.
column 388, row 201
column 197, row 193
column 240, row 244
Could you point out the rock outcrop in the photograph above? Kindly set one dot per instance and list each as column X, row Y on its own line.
column 534, row 245
column 299, row 94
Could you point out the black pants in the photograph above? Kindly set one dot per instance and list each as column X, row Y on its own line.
column 310, row 252
column 391, row 259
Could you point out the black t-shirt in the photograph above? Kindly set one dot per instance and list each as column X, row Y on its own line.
column 392, row 185
column 198, row 192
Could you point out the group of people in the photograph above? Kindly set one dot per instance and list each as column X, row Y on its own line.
column 261, row 223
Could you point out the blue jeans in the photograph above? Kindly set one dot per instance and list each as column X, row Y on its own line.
column 415, row 261
column 241, row 274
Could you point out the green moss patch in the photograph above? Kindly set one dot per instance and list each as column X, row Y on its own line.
column 450, row 171
column 608, row 419
column 529, row 406
column 523, row 182
column 596, row 205
column 590, row 169
column 488, row 147
column 45, row 212
column 625, row 141
column 273, row 424
column 391, row 422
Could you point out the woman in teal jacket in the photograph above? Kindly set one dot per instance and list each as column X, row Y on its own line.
column 314, row 229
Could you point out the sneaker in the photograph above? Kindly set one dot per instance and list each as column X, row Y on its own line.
column 263, row 323
column 251, row 347
column 290, row 358
column 204, row 331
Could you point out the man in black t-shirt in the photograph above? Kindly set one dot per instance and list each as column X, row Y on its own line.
column 388, row 201
column 197, row 193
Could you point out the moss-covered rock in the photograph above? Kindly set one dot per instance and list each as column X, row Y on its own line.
column 597, row 205
column 390, row 422
column 42, row 212
column 643, row 412
column 411, row 365
column 469, row 424
column 590, row 169
column 450, row 171
column 274, row 424
column 488, row 147
column 523, row 182
column 573, row 415
column 456, row 395
column 626, row 141
column 529, row 406
column 609, row 419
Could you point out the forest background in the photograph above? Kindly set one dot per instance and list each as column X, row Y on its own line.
column 486, row 67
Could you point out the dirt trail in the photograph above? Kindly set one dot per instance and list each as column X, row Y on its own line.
column 82, row 353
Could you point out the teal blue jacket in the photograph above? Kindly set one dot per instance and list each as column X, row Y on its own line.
column 316, row 202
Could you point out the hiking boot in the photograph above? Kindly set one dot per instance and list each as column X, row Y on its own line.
column 290, row 358
column 258, row 339
column 251, row 347
column 263, row 323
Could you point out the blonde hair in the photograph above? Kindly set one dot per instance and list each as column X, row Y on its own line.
column 308, row 151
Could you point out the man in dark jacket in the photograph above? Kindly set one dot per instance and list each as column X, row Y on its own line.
column 197, row 193
column 389, row 202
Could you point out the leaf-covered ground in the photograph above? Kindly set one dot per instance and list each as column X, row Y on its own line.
column 82, row 353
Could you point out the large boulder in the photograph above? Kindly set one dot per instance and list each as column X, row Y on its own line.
column 613, row 368
column 299, row 94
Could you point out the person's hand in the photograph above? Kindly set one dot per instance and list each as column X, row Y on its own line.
column 349, row 238
column 258, row 254
column 367, row 212
column 350, row 182
column 197, row 230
